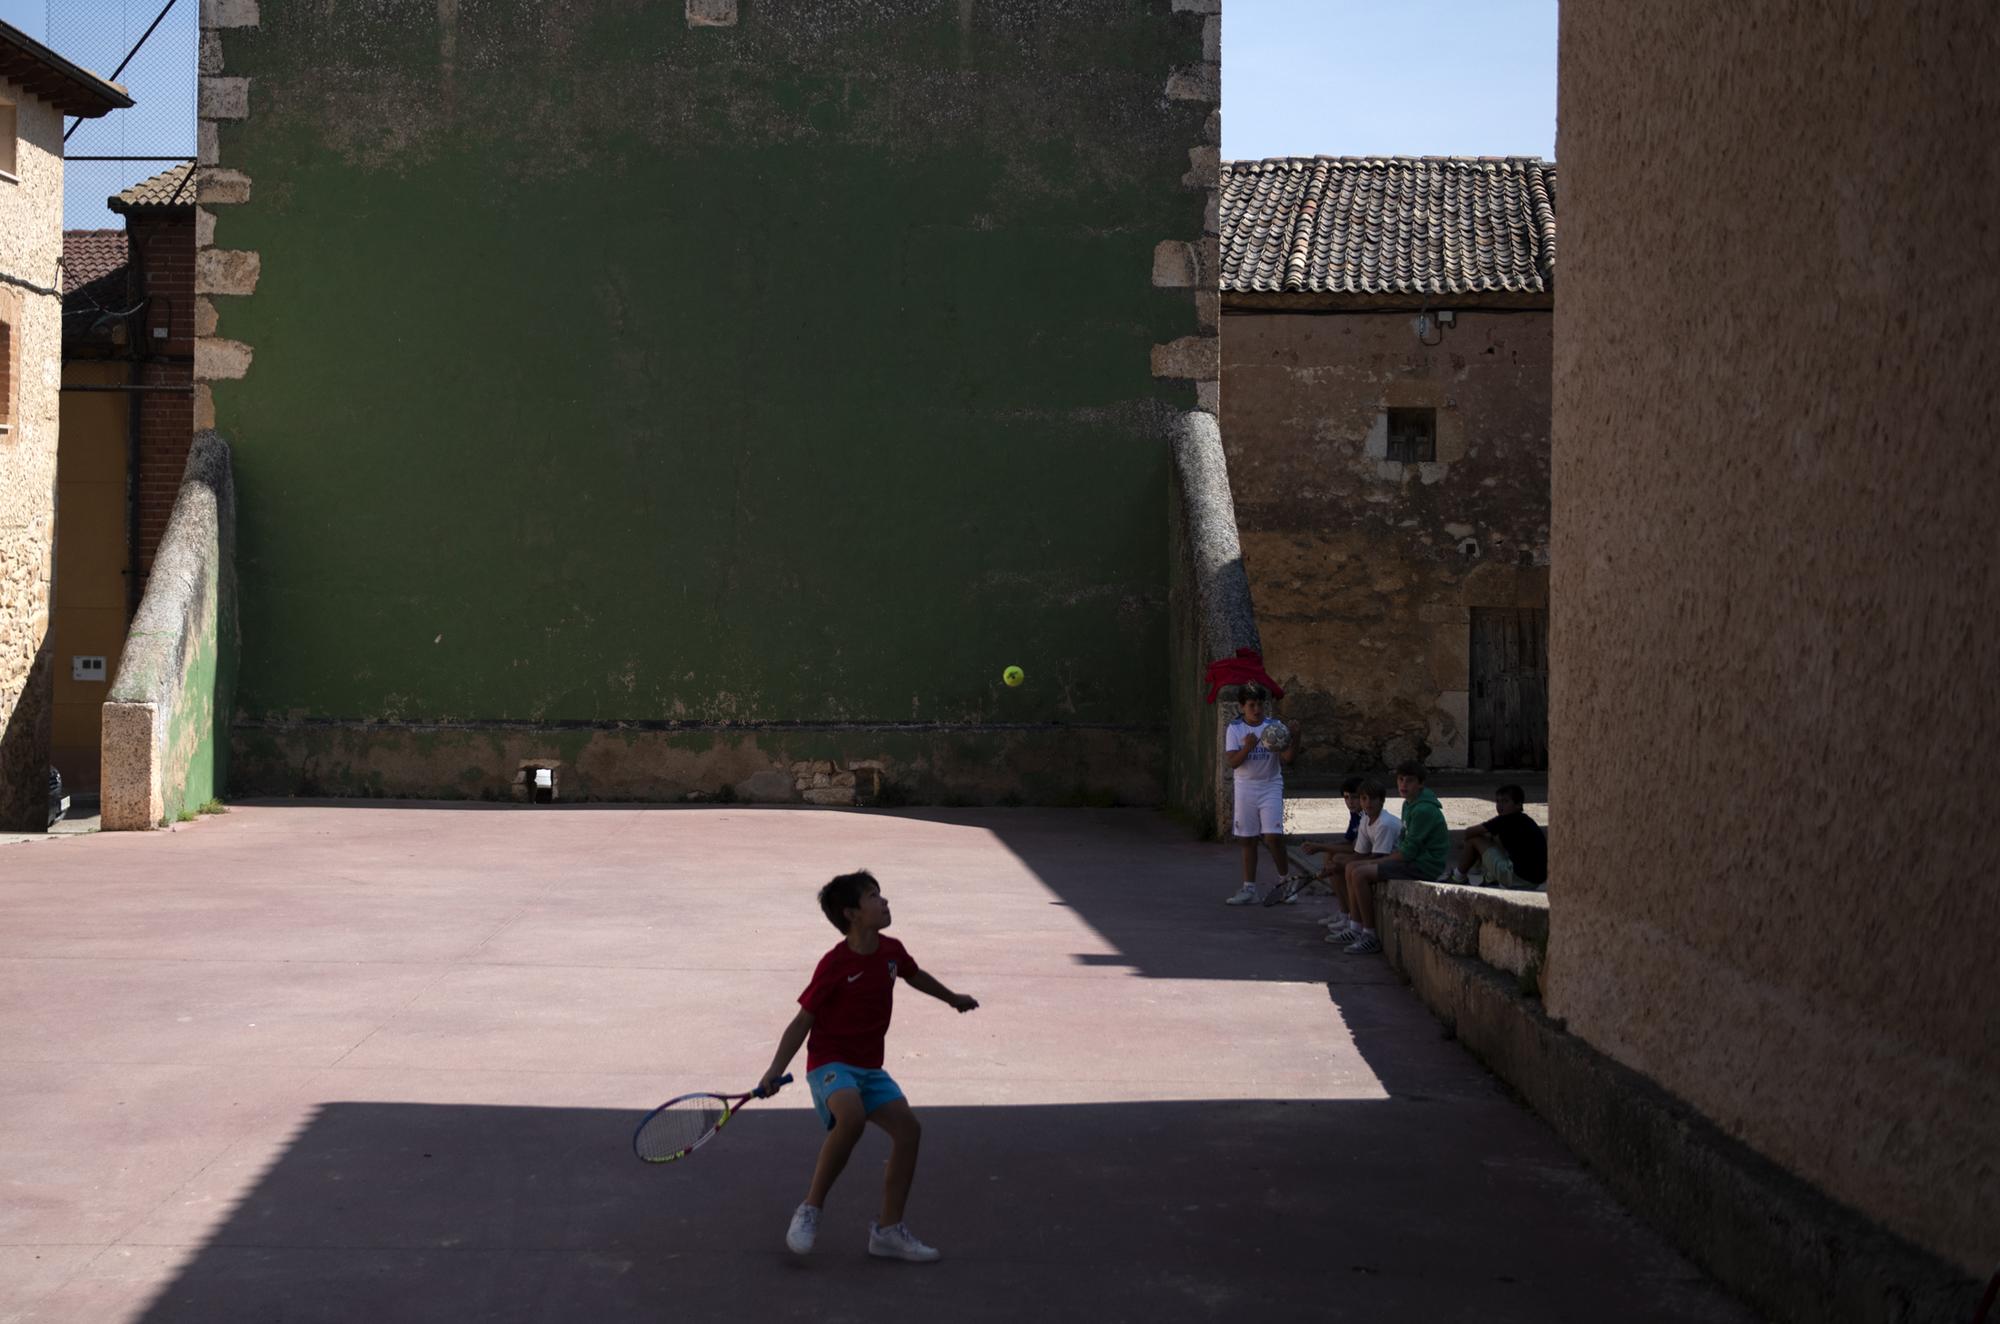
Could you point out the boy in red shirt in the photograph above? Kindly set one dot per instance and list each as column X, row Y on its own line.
column 845, row 1010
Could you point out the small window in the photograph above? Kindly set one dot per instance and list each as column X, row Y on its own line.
column 7, row 131
column 1413, row 435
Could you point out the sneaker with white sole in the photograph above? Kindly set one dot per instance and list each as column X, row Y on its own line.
column 804, row 1229
column 897, row 1242
column 1343, row 936
column 1365, row 945
column 1245, row 895
column 1336, row 921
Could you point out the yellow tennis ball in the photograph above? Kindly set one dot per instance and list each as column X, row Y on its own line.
column 1013, row 675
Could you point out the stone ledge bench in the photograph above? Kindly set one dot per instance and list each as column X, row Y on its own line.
column 1506, row 930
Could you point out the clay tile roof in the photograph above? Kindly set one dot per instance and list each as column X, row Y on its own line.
column 169, row 188
column 90, row 255
column 1353, row 225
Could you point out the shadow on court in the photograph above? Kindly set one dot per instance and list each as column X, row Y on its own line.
column 1145, row 1212
column 306, row 1063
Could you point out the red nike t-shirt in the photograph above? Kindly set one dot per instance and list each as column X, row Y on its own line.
column 850, row 998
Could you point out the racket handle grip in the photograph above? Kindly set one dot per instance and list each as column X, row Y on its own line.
column 785, row 1079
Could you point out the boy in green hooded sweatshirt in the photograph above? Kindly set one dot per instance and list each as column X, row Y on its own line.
column 1420, row 853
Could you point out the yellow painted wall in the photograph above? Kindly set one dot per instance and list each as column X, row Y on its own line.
column 90, row 591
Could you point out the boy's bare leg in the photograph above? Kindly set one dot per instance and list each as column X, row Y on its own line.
column 1275, row 842
column 907, row 1133
column 1249, row 858
column 1360, row 878
column 848, row 1123
column 1334, row 867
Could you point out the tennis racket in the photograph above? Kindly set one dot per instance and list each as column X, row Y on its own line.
column 678, row 1127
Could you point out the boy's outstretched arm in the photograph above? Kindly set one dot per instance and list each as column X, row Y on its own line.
column 921, row 981
column 788, row 1048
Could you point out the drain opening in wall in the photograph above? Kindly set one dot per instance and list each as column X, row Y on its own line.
column 536, row 783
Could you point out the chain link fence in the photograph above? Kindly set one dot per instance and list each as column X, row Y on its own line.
column 150, row 47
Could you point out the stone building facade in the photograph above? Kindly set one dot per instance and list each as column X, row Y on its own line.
column 1386, row 363
column 37, row 88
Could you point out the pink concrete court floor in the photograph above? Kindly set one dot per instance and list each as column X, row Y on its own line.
column 381, row 1063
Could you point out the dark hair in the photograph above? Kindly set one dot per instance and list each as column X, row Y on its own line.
column 1350, row 786
column 1374, row 790
column 844, row 894
column 1411, row 768
column 1514, row 793
column 1252, row 691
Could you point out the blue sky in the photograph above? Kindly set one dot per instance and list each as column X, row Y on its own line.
column 1299, row 78
column 97, row 34
column 1388, row 77
column 27, row 15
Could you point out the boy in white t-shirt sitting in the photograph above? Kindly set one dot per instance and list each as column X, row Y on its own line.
column 1260, row 790
column 1380, row 831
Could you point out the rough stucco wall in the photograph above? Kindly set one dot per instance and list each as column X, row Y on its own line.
column 795, row 370
column 1774, row 635
column 30, row 248
column 1365, row 572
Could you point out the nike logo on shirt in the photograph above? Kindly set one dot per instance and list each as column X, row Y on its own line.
column 856, row 975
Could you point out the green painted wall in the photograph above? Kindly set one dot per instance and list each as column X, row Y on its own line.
column 790, row 372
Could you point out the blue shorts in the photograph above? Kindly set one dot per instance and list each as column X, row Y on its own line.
column 829, row 1078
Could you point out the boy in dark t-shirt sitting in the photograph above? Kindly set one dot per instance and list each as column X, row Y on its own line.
column 845, row 1010
column 1509, row 848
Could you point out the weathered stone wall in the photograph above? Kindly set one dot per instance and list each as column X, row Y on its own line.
column 30, row 248
column 1774, row 639
column 1365, row 571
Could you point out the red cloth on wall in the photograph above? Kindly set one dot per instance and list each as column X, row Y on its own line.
column 1246, row 666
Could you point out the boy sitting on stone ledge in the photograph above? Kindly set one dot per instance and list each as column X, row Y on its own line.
column 1509, row 849
column 1420, row 854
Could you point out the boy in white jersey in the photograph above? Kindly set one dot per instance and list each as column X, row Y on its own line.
column 1380, row 830
column 1260, row 790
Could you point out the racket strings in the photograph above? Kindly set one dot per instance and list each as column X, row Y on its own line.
column 678, row 1127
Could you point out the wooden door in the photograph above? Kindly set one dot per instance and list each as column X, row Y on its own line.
column 1510, row 687
column 89, row 597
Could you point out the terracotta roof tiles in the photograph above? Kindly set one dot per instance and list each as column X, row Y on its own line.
column 169, row 188
column 90, row 255
column 1350, row 225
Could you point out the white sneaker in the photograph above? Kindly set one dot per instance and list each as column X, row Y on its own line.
column 1365, row 945
column 1245, row 896
column 1342, row 936
column 897, row 1242
column 804, row 1229
column 1336, row 921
